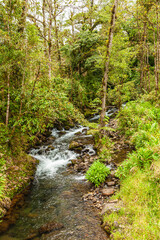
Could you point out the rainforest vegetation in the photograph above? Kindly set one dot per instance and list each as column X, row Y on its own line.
column 63, row 61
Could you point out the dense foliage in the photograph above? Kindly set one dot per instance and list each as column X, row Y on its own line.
column 139, row 173
column 53, row 58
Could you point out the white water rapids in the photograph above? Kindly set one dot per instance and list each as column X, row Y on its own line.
column 52, row 160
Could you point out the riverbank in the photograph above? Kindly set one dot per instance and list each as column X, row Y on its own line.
column 135, row 214
column 18, row 173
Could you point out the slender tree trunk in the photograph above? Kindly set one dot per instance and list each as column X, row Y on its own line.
column 22, row 21
column 36, row 80
column 44, row 26
column 108, row 51
column 8, row 74
column 142, row 58
column 145, row 55
column 157, row 48
column 155, row 63
column 50, row 40
column 8, row 98
column 56, row 33
column 91, row 11
column 140, row 45
column 148, row 70
column 72, row 24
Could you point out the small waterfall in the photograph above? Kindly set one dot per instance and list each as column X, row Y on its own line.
column 53, row 160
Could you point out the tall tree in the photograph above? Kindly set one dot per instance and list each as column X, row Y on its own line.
column 108, row 51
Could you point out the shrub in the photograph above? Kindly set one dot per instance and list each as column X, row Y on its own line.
column 97, row 173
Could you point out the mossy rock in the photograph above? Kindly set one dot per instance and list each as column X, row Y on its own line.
column 73, row 145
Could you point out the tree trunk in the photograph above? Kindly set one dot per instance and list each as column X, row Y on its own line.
column 148, row 70
column 44, row 26
column 157, row 69
column 50, row 40
column 105, row 78
column 8, row 76
column 155, row 63
column 22, row 21
column 72, row 24
column 56, row 33
column 91, row 11
column 8, row 98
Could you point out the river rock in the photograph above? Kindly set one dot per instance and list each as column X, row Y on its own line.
column 74, row 161
column 78, row 133
column 66, row 194
column 112, row 174
column 32, row 236
column 107, row 192
column 49, row 227
column 62, row 133
column 112, row 183
column 73, row 145
column 81, row 166
column 108, row 208
column 106, row 227
column 40, row 151
column 85, row 140
column 50, row 147
column 49, row 141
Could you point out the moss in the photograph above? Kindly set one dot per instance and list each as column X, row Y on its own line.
column 18, row 172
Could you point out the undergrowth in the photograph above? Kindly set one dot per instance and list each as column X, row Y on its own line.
column 139, row 174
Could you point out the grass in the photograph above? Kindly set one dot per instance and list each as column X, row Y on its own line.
column 139, row 175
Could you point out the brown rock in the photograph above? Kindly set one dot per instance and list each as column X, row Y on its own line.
column 49, row 227
column 74, row 161
column 81, row 166
column 50, row 147
column 112, row 173
column 32, row 236
column 106, row 227
column 108, row 192
column 66, row 193
column 74, row 145
column 111, row 183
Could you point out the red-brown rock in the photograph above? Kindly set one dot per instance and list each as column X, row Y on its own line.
column 108, row 192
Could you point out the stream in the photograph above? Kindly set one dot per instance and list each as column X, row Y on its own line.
column 56, row 196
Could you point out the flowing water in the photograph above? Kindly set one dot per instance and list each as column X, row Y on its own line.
column 56, row 195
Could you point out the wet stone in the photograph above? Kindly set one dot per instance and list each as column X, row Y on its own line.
column 74, row 161
column 51, row 226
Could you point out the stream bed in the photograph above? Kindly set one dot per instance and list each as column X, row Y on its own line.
column 56, row 196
